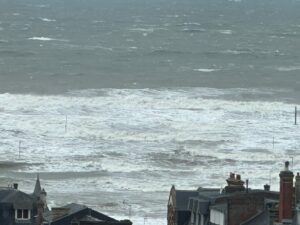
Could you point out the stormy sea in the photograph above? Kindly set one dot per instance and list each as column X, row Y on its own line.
column 113, row 102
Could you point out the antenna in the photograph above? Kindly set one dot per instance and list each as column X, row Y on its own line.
column 129, row 209
column 295, row 115
column 66, row 124
column 19, row 149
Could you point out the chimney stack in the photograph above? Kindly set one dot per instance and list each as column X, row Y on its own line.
column 234, row 183
column 15, row 185
column 267, row 187
column 286, row 194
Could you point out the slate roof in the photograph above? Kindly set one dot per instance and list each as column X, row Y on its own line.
column 37, row 188
column 89, row 219
column 18, row 199
column 182, row 198
column 74, row 208
column 201, row 205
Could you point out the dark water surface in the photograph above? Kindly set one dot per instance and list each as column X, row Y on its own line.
column 56, row 46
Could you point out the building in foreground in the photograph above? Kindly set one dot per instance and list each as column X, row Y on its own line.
column 237, row 204
column 20, row 208
column 75, row 214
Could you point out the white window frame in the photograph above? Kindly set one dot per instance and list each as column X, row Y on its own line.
column 23, row 218
column 217, row 217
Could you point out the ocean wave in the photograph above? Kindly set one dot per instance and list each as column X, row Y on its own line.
column 47, row 19
column 166, row 52
column 147, row 30
column 142, row 139
column 288, row 68
column 46, row 39
column 191, row 24
column 225, row 31
column 206, row 70
column 194, row 30
column 14, row 53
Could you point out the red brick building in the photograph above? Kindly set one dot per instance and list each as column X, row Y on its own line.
column 237, row 204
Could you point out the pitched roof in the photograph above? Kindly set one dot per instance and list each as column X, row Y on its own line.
column 182, row 198
column 89, row 218
column 72, row 208
column 37, row 188
column 19, row 199
column 86, row 213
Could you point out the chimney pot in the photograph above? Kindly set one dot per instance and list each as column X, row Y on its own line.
column 267, row 187
column 15, row 186
column 232, row 175
column 287, row 165
column 238, row 177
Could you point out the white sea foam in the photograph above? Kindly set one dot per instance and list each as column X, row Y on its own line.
column 225, row 31
column 47, row 20
column 235, row 52
column 288, row 69
column 46, row 39
column 206, row 70
column 192, row 23
column 143, row 30
column 42, row 39
column 142, row 139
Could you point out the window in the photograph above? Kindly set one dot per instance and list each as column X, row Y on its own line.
column 19, row 214
column 25, row 214
column 22, row 214
column 217, row 217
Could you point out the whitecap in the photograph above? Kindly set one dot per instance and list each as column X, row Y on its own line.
column 206, row 70
column 47, row 20
column 236, row 52
column 150, row 30
column 41, row 39
column 225, row 31
column 192, row 23
column 45, row 39
column 288, row 68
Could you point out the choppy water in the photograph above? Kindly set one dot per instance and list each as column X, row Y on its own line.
column 115, row 101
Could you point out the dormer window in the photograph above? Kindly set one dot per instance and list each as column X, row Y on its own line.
column 22, row 214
